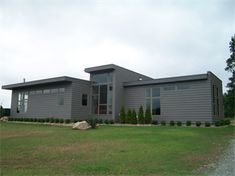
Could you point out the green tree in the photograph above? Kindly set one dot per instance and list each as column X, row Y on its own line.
column 129, row 116
column 141, row 115
column 229, row 105
column 134, row 118
column 148, row 115
column 122, row 115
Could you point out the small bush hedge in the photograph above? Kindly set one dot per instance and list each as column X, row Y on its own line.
column 172, row 123
column 67, row 121
column 92, row 123
column 154, row 122
column 188, row 123
column 207, row 124
column 198, row 123
column 163, row 123
column 179, row 123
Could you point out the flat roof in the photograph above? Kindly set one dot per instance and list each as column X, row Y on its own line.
column 167, row 80
column 109, row 67
column 40, row 82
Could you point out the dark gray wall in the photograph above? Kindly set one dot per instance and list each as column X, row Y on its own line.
column 189, row 104
column 79, row 111
column 122, row 75
column 44, row 105
column 219, row 108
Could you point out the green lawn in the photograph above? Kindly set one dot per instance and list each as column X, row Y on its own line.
column 34, row 149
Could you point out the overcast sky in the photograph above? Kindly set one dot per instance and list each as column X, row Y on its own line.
column 159, row 38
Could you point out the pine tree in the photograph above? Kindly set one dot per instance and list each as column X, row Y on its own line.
column 129, row 116
column 134, row 118
column 122, row 115
column 141, row 115
column 148, row 116
column 229, row 104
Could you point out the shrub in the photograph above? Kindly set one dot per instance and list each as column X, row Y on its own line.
column 172, row 123
column 133, row 117
column 2, row 111
column 92, row 123
column 20, row 119
column 100, row 121
column 57, row 120
column 217, row 123
column 61, row 120
column 148, row 116
column 106, row 121
column 188, row 123
column 163, row 123
column 226, row 121
column 129, row 116
column 47, row 119
column 52, row 120
column 179, row 123
column 10, row 119
column 198, row 123
column 207, row 124
column 122, row 115
column 154, row 122
column 67, row 121
column 111, row 121
column 141, row 115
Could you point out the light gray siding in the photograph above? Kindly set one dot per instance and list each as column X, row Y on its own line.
column 188, row 104
column 79, row 111
column 122, row 75
column 44, row 105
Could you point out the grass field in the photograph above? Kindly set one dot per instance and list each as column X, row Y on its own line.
column 34, row 149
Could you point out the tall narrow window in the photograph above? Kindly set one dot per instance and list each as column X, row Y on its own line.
column 22, row 105
column 153, row 100
column 84, row 99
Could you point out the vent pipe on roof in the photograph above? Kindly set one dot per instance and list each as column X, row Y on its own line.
column 23, row 80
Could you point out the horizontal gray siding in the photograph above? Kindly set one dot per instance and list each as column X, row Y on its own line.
column 189, row 104
column 44, row 105
column 80, row 87
column 122, row 75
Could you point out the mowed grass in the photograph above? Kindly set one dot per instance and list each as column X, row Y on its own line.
column 34, row 149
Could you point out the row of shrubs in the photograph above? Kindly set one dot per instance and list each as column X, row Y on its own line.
column 130, row 117
column 189, row 123
column 58, row 120
column 101, row 121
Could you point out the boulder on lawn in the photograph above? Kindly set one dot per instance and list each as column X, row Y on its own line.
column 4, row 119
column 81, row 125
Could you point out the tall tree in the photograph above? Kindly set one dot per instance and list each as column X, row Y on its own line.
column 229, row 97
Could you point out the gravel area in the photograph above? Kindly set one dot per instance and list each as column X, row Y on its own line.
column 226, row 165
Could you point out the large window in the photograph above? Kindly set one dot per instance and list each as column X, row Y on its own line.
column 102, row 93
column 22, row 105
column 153, row 100
column 84, row 99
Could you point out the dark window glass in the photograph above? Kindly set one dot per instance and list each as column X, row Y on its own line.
column 182, row 87
column 84, row 99
column 148, row 92
column 95, row 104
column 95, row 89
column 156, row 109
column 103, row 94
column 103, row 109
column 155, row 92
column 102, row 78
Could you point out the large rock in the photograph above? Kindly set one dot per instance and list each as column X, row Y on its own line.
column 81, row 125
column 4, row 119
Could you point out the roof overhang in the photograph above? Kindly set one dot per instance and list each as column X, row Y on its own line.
column 167, row 80
column 103, row 68
column 38, row 82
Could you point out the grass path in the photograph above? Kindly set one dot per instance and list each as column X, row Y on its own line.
column 33, row 149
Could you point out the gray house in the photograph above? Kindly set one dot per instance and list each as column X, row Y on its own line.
column 195, row 97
